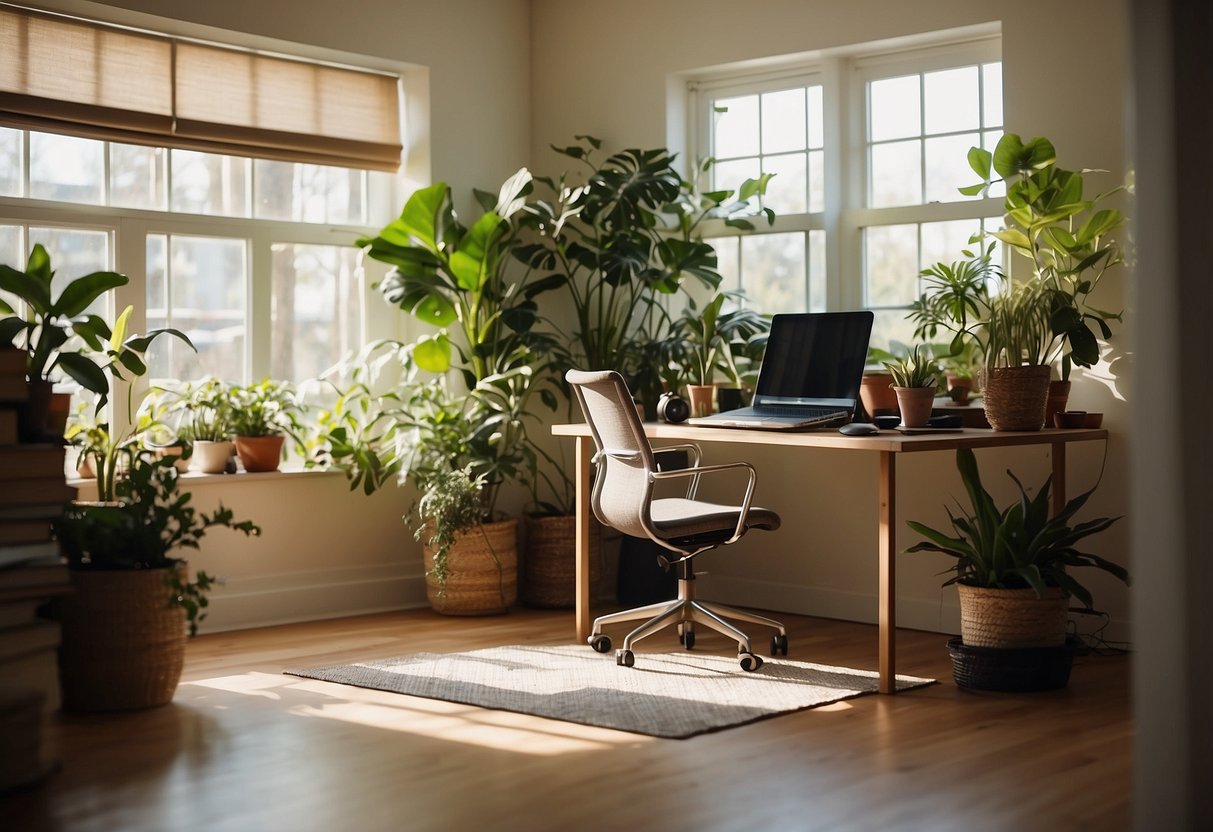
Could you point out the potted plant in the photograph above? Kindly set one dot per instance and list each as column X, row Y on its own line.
column 914, row 383
column 1012, row 570
column 202, row 412
column 707, row 340
column 1048, row 318
column 124, row 627
column 262, row 415
column 59, row 336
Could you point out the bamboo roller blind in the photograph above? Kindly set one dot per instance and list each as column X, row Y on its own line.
column 73, row 76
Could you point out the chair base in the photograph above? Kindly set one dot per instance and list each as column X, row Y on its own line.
column 684, row 612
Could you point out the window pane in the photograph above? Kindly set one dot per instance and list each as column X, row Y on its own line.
column 308, row 193
column 66, row 169
column 729, row 175
column 159, row 358
column 735, row 127
column 316, row 308
column 992, row 94
column 894, row 108
column 890, row 328
column 896, row 174
column 783, row 121
column 952, row 100
column 727, row 254
column 947, row 167
column 817, row 271
column 773, row 272
column 817, row 182
column 12, row 253
column 787, row 192
column 74, row 253
column 942, row 242
column 891, row 255
column 816, row 118
column 206, row 298
column 206, row 183
column 11, row 172
column 989, row 140
column 137, row 177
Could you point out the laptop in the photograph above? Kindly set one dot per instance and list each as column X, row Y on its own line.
column 810, row 374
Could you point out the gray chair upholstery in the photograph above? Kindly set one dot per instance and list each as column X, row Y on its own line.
column 623, row 498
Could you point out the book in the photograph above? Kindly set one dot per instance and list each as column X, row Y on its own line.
column 32, row 461
column 37, row 670
column 16, row 642
column 13, row 362
column 8, row 426
column 43, row 577
column 13, row 389
column 24, row 531
column 24, row 553
column 35, row 491
column 18, row 612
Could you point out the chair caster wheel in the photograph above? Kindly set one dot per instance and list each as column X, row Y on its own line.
column 779, row 645
column 625, row 658
column 601, row 643
column 750, row 662
column 687, row 639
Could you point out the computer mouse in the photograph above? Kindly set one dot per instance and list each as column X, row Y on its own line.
column 859, row 429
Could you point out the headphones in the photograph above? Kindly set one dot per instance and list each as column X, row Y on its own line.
column 673, row 409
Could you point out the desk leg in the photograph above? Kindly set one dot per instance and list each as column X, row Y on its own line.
column 583, row 472
column 888, row 578
column 1058, row 455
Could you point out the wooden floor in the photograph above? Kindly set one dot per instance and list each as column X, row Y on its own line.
column 243, row 747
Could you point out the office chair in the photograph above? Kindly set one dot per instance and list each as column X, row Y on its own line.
column 623, row 499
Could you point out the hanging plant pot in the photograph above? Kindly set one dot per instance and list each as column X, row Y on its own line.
column 1012, row 618
column 482, row 571
column 1015, row 396
column 260, row 453
column 123, row 644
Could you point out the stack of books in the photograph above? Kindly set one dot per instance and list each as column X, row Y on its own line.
column 33, row 490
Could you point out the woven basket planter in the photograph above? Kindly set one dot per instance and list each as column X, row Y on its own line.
column 1015, row 397
column 1012, row 618
column 482, row 572
column 549, row 565
column 123, row 644
column 1019, row 671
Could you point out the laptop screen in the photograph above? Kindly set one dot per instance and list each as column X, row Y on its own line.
column 814, row 358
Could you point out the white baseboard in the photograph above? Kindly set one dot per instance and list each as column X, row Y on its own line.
column 285, row 598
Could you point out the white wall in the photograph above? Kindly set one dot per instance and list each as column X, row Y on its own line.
column 611, row 70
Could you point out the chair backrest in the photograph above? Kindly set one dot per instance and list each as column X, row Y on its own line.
column 622, row 488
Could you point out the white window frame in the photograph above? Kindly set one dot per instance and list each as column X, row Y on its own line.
column 843, row 74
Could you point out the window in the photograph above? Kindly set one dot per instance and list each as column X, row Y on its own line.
column 868, row 151
column 230, row 229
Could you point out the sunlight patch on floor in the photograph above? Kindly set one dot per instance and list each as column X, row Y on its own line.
column 447, row 721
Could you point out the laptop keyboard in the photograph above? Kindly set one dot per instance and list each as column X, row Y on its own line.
column 795, row 411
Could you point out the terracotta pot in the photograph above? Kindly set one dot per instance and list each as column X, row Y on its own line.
column 482, row 571
column 701, row 398
column 43, row 417
column 1015, row 396
column 1012, row 618
column 123, row 645
column 915, row 404
column 260, row 453
column 960, row 388
column 212, row 457
column 876, row 393
column 1059, row 395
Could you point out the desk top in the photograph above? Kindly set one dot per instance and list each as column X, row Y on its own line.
column 886, row 440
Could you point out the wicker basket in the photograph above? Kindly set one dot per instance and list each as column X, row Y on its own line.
column 1012, row 618
column 1019, row 671
column 123, row 645
column 1015, row 397
column 482, row 572
column 549, row 565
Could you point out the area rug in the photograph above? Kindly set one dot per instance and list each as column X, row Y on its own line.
column 674, row 695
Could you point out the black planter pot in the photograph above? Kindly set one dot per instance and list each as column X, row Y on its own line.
column 1014, row 670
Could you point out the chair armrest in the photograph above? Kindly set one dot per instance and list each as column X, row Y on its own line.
column 694, row 457
column 714, row 469
column 615, row 453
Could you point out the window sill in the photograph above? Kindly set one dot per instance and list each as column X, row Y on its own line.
column 191, row 479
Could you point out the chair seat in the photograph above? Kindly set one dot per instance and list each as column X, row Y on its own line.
column 676, row 518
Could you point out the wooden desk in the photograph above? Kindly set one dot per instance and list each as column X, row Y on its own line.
column 888, row 445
